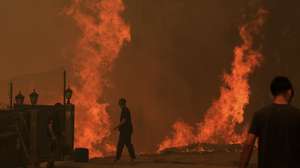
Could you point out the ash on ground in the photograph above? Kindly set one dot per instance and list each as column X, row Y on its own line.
column 204, row 148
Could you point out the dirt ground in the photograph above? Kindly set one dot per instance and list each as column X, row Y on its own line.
column 171, row 160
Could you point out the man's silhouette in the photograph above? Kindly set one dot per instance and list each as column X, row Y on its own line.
column 125, row 128
column 52, row 135
column 277, row 128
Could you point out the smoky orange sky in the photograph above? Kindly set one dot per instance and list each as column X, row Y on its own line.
column 171, row 70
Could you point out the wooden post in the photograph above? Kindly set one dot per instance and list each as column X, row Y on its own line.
column 65, row 85
column 69, row 127
column 33, row 137
column 11, row 95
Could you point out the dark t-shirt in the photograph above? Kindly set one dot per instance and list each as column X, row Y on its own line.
column 127, row 126
column 278, row 130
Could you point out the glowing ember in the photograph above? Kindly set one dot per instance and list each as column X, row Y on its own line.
column 103, row 34
column 227, row 112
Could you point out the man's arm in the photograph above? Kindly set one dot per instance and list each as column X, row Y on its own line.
column 120, row 124
column 247, row 150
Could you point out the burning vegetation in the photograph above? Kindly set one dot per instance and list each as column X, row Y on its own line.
column 227, row 112
column 103, row 34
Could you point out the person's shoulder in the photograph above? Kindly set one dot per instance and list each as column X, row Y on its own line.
column 271, row 108
column 126, row 110
column 294, row 108
column 264, row 109
column 294, row 113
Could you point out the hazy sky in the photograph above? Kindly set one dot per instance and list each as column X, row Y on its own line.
column 34, row 36
column 172, row 68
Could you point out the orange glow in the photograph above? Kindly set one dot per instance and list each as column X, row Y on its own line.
column 103, row 34
column 183, row 136
column 221, row 119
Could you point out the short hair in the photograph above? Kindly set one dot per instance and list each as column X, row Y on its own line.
column 122, row 100
column 280, row 85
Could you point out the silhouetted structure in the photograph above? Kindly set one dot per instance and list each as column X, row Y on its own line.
column 24, row 131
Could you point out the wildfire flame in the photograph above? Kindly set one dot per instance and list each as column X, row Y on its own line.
column 220, row 121
column 103, row 34
column 183, row 136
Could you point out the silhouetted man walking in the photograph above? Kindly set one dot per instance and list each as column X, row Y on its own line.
column 277, row 128
column 126, row 129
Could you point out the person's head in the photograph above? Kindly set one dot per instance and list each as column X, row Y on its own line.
column 282, row 87
column 122, row 103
